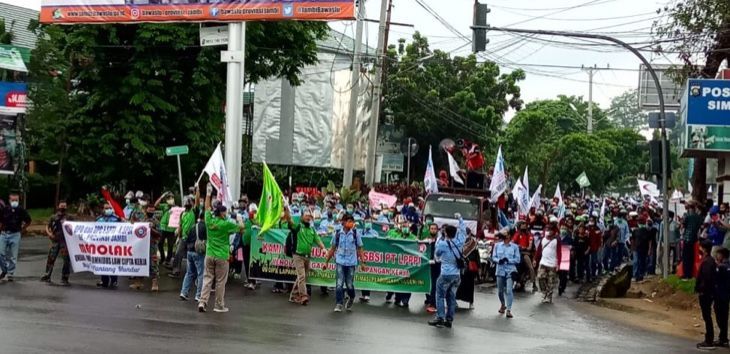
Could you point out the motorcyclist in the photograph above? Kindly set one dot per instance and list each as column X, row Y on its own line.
column 523, row 238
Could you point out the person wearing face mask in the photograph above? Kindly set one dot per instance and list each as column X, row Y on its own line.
column 547, row 260
column 140, row 210
column 306, row 237
column 611, row 248
column 150, row 217
column 425, row 233
column 402, row 231
column 566, row 254
column 54, row 230
column 524, row 240
column 129, row 204
column 15, row 221
column 595, row 238
column 347, row 249
column 168, row 233
column 328, row 225
column 641, row 246
column 367, row 231
column 433, row 237
column 108, row 281
column 187, row 221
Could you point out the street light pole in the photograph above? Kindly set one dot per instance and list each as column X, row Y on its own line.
column 662, row 115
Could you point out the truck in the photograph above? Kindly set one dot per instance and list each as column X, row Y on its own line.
column 473, row 205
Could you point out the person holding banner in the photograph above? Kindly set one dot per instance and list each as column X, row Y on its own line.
column 347, row 248
column 54, row 230
column 218, row 230
column 305, row 237
column 108, row 281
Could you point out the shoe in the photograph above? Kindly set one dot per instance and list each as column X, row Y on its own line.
column 471, row 306
column 201, row 308
column 236, row 276
column 220, row 309
column 431, row 309
column 173, row 275
column 502, row 309
column 197, row 299
column 388, row 301
column 721, row 344
column 64, row 282
column 277, row 291
column 167, row 265
column 509, row 314
column 338, row 308
column 136, row 285
column 101, row 285
column 365, row 299
column 46, row 278
column 348, row 304
column 436, row 322
column 183, row 297
column 113, row 285
column 2, row 275
column 155, row 286
column 705, row 346
column 447, row 324
column 10, row 278
column 534, row 288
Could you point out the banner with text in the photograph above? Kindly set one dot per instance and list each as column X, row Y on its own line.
column 391, row 265
column 130, row 11
column 121, row 249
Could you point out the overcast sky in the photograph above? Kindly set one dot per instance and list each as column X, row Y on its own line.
column 632, row 18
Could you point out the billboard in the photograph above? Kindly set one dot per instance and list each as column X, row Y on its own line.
column 13, row 96
column 707, row 102
column 648, row 95
column 135, row 11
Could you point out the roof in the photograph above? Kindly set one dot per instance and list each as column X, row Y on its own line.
column 340, row 43
column 17, row 19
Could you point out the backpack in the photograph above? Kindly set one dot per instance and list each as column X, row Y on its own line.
column 337, row 237
column 199, row 244
column 290, row 245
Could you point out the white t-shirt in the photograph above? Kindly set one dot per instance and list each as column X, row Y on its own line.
column 549, row 252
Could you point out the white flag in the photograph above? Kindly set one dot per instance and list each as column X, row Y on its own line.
column 526, row 181
column 499, row 178
column 601, row 220
column 523, row 199
column 216, row 170
column 535, row 200
column 677, row 195
column 648, row 188
column 454, row 169
column 558, row 194
column 429, row 179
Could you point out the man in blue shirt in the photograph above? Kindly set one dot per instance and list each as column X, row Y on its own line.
column 507, row 256
column 108, row 281
column 368, row 231
column 347, row 249
column 448, row 251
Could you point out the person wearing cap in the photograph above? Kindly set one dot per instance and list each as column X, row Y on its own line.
column 715, row 231
column 218, row 229
column 595, row 238
column 306, row 237
column 547, row 259
column 130, row 204
column 623, row 238
column 641, row 246
column 691, row 223
column 524, row 240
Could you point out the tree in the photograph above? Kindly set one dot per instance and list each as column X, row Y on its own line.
column 625, row 112
column 581, row 152
column 6, row 34
column 117, row 95
column 531, row 137
column 435, row 96
column 699, row 32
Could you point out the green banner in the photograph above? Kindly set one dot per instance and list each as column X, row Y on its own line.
column 391, row 265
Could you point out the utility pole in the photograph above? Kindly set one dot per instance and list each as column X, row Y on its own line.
column 662, row 113
column 377, row 93
column 234, row 57
column 590, row 98
column 349, row 163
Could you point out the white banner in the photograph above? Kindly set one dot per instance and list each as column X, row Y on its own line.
column 499, row 179
column 121, row 249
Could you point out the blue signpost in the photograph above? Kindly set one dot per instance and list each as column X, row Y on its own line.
column 708, row 102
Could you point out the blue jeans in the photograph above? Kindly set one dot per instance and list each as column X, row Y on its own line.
column 504, row 289
column 345, row 279
column 9, row 245
column 446, row 286
column 196, row 270
column 640, row 265
column 593, row 265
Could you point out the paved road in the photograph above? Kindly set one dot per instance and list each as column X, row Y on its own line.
column 39, row 318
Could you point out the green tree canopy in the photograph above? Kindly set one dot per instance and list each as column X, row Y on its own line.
column 114, row 96
column 625, row 112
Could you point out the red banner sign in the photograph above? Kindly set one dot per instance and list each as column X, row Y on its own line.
column 133, row 11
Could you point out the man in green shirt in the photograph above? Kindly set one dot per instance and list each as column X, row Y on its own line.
column 216, row 253
column 187, row 221
column 306, row 237
column 168, row 233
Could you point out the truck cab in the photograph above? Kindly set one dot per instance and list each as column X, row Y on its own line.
column 475, row 210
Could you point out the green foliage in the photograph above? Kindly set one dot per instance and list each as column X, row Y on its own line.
column 6, row 34
column 682, row 285
column 109, row 98
column 578, row 152
column 625, row 112
column 435, row 96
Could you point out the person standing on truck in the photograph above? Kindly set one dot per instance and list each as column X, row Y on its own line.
column 523, row 239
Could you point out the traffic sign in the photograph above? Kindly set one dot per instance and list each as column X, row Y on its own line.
column 176, row 150
column 212, row 36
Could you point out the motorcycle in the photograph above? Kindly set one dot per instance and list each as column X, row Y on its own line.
column 522, row 272
column 487, row 266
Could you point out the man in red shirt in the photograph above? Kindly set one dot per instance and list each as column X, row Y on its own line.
column 523, row 239
column 595, row 239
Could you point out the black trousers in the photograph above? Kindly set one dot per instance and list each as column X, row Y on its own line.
column 688, row 260
column 706, row 307
column 563, row 281
column 170, row 238
column 721, row 316
column 108, row 280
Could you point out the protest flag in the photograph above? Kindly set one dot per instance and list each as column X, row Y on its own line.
column 216, row 170
column 454, row 169
column 499, row 179
column 429, row 179
column 583, row 181
column 118, row 211
column 271, row 204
